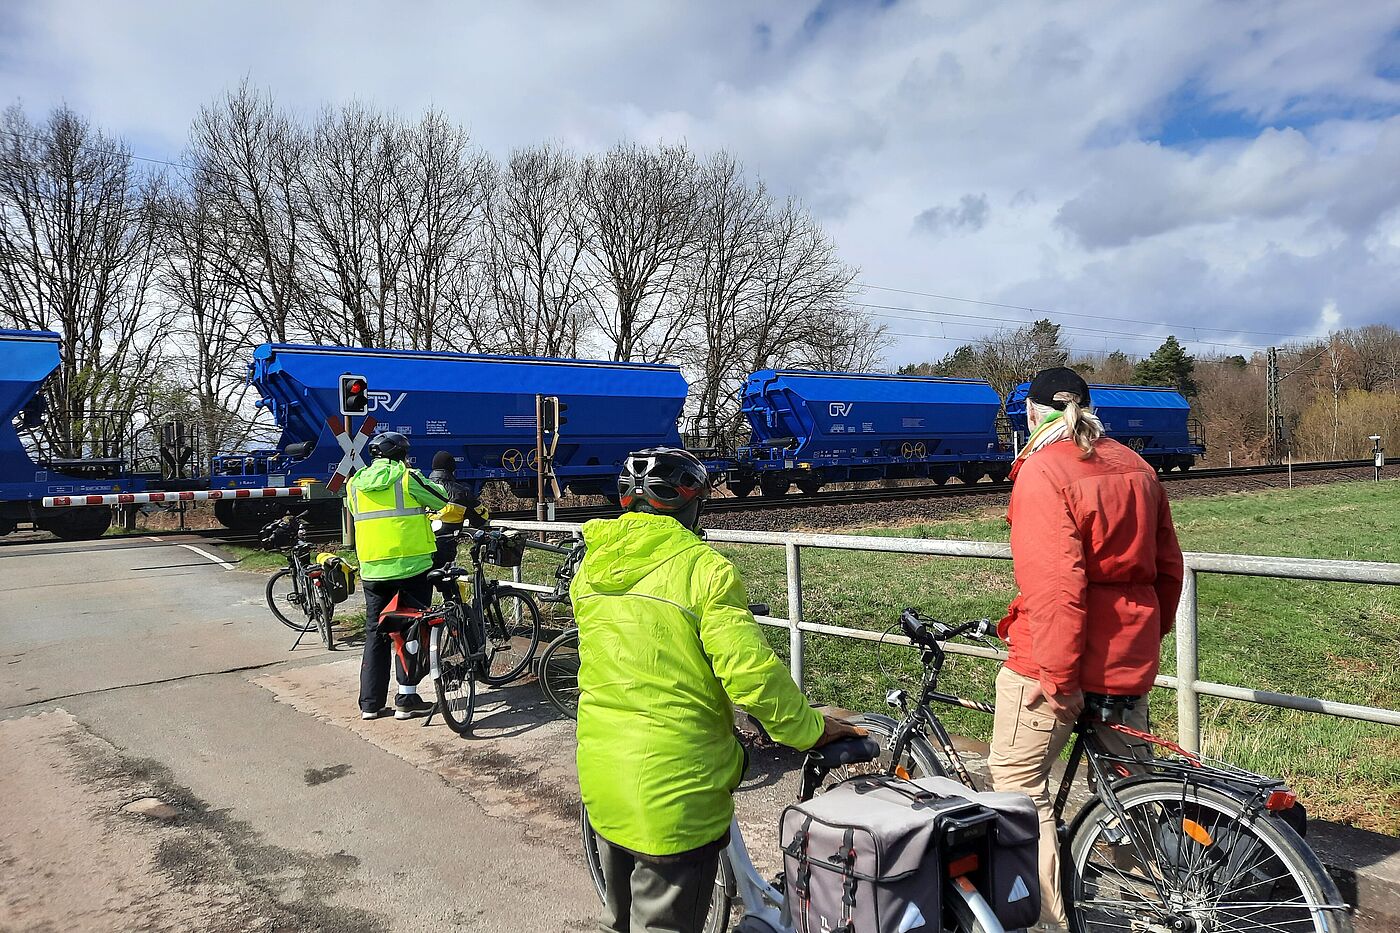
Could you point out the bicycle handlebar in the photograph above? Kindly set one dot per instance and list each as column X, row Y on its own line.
column 927, row 633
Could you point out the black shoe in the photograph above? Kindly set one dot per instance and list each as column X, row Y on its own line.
column 409, row 705
column 373, row 713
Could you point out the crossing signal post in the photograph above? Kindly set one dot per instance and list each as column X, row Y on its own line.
column 1379, row 452
column 354, row 400
column 549, row 419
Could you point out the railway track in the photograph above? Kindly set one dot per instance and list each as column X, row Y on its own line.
column 759, row 504
column 930, row 491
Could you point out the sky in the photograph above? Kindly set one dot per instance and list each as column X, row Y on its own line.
column 1228, row 172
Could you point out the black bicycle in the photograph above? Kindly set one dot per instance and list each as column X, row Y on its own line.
column 557, row 671
column 484, row 630
column 1170, row 842
column 296, row 594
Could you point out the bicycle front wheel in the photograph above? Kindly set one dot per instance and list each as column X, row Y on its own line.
column 452, row 676
column 919, row 758
column 1187, row 857
column 286, row 601
column 721, row 905
column 512, row 623
column 558, row 673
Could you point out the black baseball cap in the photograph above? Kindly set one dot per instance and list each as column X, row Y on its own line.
column 1050, row 382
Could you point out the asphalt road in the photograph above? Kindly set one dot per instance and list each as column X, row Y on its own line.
column 142, row 673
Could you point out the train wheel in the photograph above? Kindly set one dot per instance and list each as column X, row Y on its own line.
column 81, row 524
column 741, row 488
column 773, row 488
column 810, row 486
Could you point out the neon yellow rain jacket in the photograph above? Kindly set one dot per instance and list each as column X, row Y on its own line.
column 666, row 642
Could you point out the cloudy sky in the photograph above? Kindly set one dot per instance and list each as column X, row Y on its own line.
column 1228, row 172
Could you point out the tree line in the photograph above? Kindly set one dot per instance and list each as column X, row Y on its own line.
column 362, row 228
column 1334, row 393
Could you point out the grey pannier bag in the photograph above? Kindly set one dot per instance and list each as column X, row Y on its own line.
column 873, row 855
column 868, row 855
column 1013, row 871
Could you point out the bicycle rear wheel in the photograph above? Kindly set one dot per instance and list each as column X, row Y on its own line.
column 286, row 601
column 1191, row 857
column 512, row 623
column 323, row 621
column 919, row 758
column 558, row 673
column 721, row 905
column 452, row 676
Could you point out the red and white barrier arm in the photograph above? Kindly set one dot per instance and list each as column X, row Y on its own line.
column 197, row 495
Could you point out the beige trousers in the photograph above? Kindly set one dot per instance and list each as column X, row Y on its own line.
column 1026, row 740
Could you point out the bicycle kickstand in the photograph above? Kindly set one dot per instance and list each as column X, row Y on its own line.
column 431, row 713
column 300, row 636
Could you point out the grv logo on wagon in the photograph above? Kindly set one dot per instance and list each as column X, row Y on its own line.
column 384, row 401
column 839, row 409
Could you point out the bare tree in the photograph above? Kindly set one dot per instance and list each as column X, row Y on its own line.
column 78, row 248
column 638, row 217
column 540, row 287
column 250, row 154
column 216, row 333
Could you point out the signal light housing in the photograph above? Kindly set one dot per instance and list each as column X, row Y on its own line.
column 354, row 394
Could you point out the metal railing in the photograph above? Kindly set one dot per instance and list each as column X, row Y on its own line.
column 1190, row 688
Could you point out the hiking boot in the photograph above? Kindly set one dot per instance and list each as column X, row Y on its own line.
column 410, row 705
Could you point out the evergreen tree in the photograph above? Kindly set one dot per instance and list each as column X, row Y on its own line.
column 1169, row 365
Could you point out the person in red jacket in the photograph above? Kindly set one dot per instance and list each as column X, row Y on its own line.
column 1099, row 572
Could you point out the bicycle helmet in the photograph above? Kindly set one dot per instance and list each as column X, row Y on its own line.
column 664, row 481
column 391, row 445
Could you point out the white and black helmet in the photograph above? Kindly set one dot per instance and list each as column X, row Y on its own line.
column 665, row 479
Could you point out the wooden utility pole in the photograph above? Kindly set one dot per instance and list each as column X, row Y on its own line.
column 1274, row 414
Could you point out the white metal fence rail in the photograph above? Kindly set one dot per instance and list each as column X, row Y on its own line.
column 1190, row 688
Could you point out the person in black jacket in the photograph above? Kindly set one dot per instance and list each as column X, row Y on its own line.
column 445, row 475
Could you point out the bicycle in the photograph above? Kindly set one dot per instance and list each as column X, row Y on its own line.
column 299, row 584
column 1166, row 844
column 468, row 641
column 764, row 902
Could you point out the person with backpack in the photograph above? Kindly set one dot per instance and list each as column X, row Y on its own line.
column 667, row 649
column 1100, row 572
column 395, row 544
column 447, row 523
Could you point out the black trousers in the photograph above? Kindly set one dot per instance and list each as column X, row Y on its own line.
column 651, row 894
column 374, row 667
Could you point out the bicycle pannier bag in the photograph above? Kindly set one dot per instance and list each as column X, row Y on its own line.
column 337, row 576
column 1013, row 871
column 505, row 550
column 868, row 856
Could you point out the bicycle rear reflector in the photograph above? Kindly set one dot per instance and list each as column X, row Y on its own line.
column 1281, row 800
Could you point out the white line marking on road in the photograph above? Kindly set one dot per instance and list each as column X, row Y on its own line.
column 152, row 538
column 203, row 553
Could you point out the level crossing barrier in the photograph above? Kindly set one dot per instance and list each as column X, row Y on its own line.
column 1190, row 688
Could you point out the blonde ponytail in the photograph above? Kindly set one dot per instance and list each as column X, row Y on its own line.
column 1083, row 425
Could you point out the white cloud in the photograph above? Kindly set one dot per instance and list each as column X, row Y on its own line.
column 1047, row 116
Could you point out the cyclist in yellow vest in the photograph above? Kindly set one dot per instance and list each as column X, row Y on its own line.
column 395, row 543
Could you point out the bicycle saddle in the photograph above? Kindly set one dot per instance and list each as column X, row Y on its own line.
column 844, row 752
column 447, row 573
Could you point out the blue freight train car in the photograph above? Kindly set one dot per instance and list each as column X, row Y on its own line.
column 813, row 428
column 481, row 409
column 1153, row 420
column 29, row 471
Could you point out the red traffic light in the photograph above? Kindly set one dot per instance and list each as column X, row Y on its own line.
column 354, row 394
column 356, row 387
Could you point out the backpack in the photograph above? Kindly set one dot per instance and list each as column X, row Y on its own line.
column 873, row 855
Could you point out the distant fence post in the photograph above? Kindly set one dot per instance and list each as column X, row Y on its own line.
column 794, row 613
column 1188, row 701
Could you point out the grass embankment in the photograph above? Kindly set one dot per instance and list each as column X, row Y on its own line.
column 1338, row 641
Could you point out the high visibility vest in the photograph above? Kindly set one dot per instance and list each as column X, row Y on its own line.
column 389, row 524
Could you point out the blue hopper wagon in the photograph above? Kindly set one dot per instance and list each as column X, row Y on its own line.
column 814, row 428
column 1153, row 420
column 481, row 409
column 29, row 467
